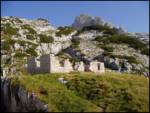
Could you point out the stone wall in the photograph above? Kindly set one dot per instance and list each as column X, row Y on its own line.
column 45, row 63
column 50, row 64
column 33, row 66
column 97, row 67
column 79, row 66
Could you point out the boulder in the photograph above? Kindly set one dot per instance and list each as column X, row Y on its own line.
column 127, row 67
column 146, row 74
column 112, row 63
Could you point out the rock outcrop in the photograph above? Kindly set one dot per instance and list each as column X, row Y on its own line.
column 17, row 99
column 86, row 20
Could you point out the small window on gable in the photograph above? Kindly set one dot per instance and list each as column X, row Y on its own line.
column 98, row 66
column 62, row 63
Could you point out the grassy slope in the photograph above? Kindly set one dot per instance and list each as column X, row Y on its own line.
column 53, row 93
column 88, row 92
column 113, row 91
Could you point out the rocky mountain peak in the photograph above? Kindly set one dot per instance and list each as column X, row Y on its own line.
column 86, row 20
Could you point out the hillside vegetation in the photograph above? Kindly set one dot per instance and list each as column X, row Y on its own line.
column 88, row 91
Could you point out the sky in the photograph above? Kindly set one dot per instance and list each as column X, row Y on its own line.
column 132, row 15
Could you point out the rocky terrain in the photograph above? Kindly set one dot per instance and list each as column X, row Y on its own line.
column 87, row 39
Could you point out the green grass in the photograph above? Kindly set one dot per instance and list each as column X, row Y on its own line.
column 89, row 91
column 53, row 93
column 127, row 92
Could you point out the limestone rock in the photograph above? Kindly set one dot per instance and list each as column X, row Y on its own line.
column 127, row 67
column 86, row 20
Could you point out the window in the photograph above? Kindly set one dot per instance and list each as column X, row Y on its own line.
column 98, row 65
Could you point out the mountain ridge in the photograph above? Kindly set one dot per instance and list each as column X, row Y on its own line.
column 37, row 37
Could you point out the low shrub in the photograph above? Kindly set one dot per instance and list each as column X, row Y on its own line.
column 145, row 51
column 19, row 55
column 30, row 37
column 106, row 48
column 31, row 51
column 106, row 29
column 130, row 59
column 75, row 43
column 132, row 41
column 64, row 31
column 9, row 30
column 21, row 42
column 6, row 45
column 29, row 28
column 46, row 39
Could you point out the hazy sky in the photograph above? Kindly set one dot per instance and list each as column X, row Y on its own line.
column 132, row 15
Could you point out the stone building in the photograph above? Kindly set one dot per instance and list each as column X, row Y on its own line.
column 50, row 64
column 97, row 67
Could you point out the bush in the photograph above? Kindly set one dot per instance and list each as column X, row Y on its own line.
column 145, row 51
column 21, row 42
column 30, row 37
column 7, row 44
column 18, row 20
column 100, row 28
column 46, row 39
column 130, row 59
column 19, row 55
column 107, row 48
column 64, row 31
column 7, row 29
column 101, row 39
column 75, row 43
column 31, row 51
column 28, row 27
column 119, row 39
column 105, row 53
